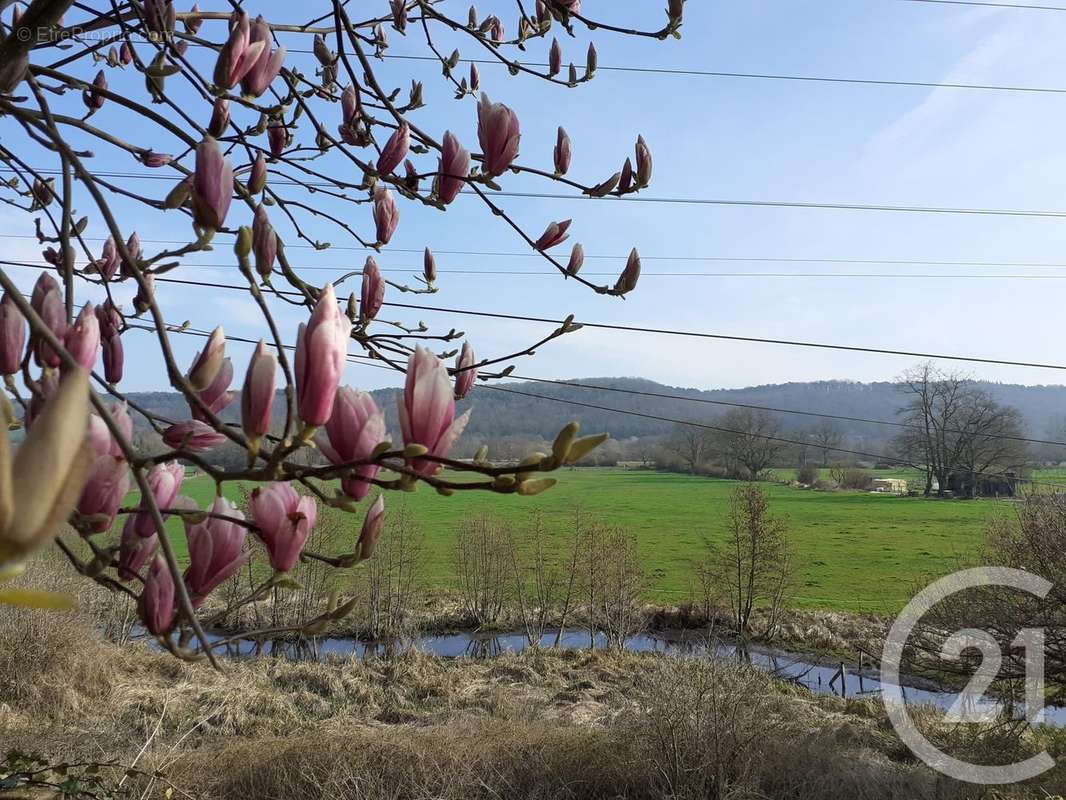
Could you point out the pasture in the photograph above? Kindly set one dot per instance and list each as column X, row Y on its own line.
column 854, row 551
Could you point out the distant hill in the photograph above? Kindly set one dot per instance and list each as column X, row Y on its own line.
column 499, row 413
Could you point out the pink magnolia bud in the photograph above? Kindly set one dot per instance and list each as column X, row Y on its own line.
column 82, row 340
column 12, row 336
column 142, row 301
column 372, row 292
column 410, row 178
column 643, row 163
column 427, row 409
column 399, row 14
column 625, row 178
column 562, row 152
column 125, row 54
column 159, row 15
column 264, row 242
column 495, row 27
column 103, row 493
column 99, row 434
column 219, row 117
column 192, row 24
column 321, row 50
column 354, row 429
column 112, row 56
column 386, row 214
column 592, row 60
column 133, row 247
column 351, row 112
column 257, row 396
column 577, row 258
column 475, row 78
column 465, row 371
column 257, row 178
column 110, row 320
column 554, row 234
column 217, row 395
column 216, row 550
column 373, row 524
column 43, row 390
column 238, row 55
column 429, row 267
column 627, row 281
column 164, row 481
column 208, row 362
column 395, row 149
column 134, row 551
column 192, row 436
column 284, row 520
column 277, row 138
column 152, row 159
column 107, row 263
column 454, row 167
column 499, row 135
column 93, row 98
column 555, row 58
column 321, row 352
column 212, row 185
column 156, row 603
column 266, row 67
column 47, row 301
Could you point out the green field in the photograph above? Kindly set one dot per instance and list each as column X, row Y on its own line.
column 855, row 551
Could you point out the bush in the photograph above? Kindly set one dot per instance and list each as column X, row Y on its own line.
column 808, row 474
column 850, row 477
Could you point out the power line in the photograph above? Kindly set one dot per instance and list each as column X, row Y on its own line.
column 984, row 4
column 650, row 330
column 622, row 256
column 702, row 201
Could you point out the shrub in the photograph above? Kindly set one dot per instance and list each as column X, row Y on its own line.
column 808, row 474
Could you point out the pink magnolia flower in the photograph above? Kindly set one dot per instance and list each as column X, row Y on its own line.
column 257, row 396
column 643, row 163
column 107, row 263
column 321, row 351
column 266, row 67
column 125, row 54
column 429, row 267
column 93, row 97
column 217, row 395
column 284, row 520
column 99, row 435
column 164, row 481
column 208, row 361
column 499, row 135
column 354, row 429
column 212, row 185
column 466, row 372
column 12, row 336
column 427, row 409
column 152, row 159
column 277, row 138
column 373, row 524
column 395, row 149
column 238, row 55
column 156, row 603
column 386, row 213
column 110, row 320
column 554, row 234
column 43, row 391
column 82, row 340
column 562, row 152
column 264, row 242
column 372, row 291
column 627, row 281
column 47, row 301
column 577, row 259
column 103, row 493
column 192, row 436
column 216, row 550
column 134, row 551
column 453, row 168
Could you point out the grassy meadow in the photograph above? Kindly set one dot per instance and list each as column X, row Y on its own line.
column 855, row 551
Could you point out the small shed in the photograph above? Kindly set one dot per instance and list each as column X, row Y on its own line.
column 889, row 485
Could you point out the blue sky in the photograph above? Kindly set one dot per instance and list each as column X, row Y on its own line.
column 723, row 138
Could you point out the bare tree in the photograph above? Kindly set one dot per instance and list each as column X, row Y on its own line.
column 755, row 565
column 691, row 446
column 826, row 436
column 747, row 442
column 391, row 584
column 539, row 583
column 482, row 567
column 955, row 431
column 611, row 583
